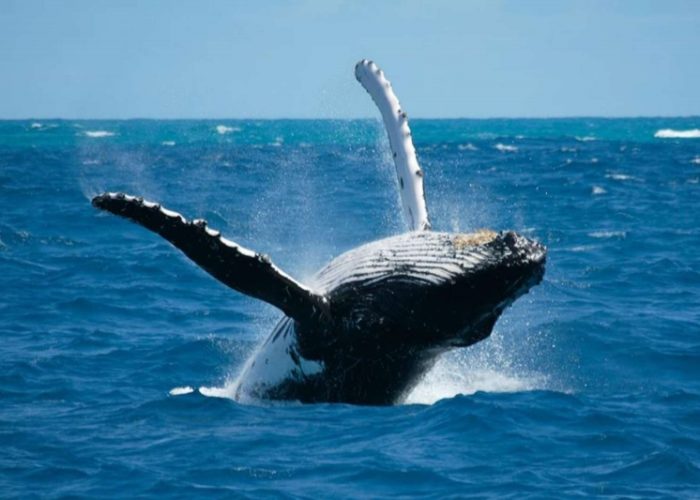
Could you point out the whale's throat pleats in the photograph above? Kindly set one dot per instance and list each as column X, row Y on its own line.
column 408, row 172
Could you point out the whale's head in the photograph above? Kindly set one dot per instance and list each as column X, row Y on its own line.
column 428, row 291
column 497, row 268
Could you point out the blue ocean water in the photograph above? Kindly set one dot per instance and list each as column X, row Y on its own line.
column 590, row 384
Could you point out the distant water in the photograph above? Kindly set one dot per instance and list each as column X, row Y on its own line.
column 589, row 385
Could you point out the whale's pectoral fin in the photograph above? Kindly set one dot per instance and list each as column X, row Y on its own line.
column 408, row 172
column 244, row 270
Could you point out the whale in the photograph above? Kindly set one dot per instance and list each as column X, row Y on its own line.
column 369, row 324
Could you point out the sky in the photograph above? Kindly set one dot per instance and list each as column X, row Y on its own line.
column 295, row 59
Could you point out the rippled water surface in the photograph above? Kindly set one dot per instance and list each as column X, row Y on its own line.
column 117, row 353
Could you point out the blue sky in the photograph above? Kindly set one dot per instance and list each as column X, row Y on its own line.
column 268, row 59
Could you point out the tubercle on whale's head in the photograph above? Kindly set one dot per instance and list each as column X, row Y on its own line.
column 478, row 237
column 486, row 250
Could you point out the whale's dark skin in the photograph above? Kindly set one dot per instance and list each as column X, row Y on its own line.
column 375, row 319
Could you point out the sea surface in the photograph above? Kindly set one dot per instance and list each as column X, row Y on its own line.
column 118, row 355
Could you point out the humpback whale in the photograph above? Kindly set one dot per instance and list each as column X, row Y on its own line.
column 371, row 322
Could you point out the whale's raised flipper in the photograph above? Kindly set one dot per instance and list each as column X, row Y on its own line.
column 244, row 270
column 409, row 173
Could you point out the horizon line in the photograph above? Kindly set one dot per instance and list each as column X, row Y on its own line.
column 361, row 118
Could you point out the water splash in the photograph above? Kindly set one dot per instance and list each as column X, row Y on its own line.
column 490, row 366
column 181, row 391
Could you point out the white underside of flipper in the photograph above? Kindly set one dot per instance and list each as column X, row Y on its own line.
column 409, row 173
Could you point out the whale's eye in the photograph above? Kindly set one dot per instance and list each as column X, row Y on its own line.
column 479, row 237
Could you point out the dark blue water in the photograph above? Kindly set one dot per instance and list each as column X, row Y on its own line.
column 589, row 385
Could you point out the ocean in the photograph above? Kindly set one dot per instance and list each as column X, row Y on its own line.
column 118, row 355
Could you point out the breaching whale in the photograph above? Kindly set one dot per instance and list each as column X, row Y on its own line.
column 376, row 318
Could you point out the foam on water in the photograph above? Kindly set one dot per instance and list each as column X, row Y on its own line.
column 506, row 148
column 97, row 134
column 449, row 379
column 491, row 366
column 619, row 177
column 224, row 129
column 669, row 133
column 608, row 234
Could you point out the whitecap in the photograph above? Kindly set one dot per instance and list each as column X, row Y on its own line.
column 91, row 162
column 581, row 248
column 669, row 133
column 181, row 391
column 619, row 177
column 168, row 143
column 223, row 129
column 696, row 160
column 98, row 133
column 36, row 125
column 607, row 234
column 467, row 147
column 585, row 138
column 597, row 190
column 505, row 148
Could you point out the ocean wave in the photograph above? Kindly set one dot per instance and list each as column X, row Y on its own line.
column 696, row 160
column 505, row 148
column 585, row 138
column 597, row 190
column 168, row 143
column 36, row 125
column 223, row 129
column 669, row 133
column 619, row 177
column 98, row 133
column 607, row 234
column 467, row 147
column 581, row 248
